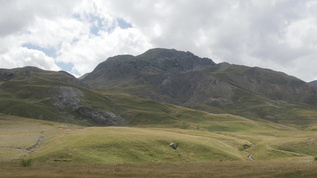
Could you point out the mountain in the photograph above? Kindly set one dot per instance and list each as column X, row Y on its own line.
column 314, row 82
column 58, row 96
column 155, row 62
column 157, row 87
column 181, row 78
column 156, row 74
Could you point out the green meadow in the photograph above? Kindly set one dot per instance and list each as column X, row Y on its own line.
column 38, row 148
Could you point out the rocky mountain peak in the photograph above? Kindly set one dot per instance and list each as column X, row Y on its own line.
column 152, row 62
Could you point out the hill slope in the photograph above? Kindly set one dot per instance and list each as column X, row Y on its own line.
column 184, row 79
column 56, row 96
column 59, row 97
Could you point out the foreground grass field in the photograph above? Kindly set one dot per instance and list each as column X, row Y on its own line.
column 56, row 150
column 202, row 169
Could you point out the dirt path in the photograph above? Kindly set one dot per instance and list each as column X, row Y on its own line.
column 34, row 147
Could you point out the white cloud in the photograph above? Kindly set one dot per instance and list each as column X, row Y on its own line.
column 21, row 57
column 46, row 33
column 273, row 34
column 89, row 51
column 69, row 34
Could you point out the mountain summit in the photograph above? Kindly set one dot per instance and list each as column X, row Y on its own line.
column 123, row 68
column 181, row 78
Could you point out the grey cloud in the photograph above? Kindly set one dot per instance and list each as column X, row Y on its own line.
column 16, row 16
column 234, row 29
column 13, row 18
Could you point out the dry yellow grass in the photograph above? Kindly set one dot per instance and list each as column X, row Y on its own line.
column 144, row 152
column 289, row 168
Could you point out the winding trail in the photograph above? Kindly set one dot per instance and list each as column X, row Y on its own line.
column 34, row 147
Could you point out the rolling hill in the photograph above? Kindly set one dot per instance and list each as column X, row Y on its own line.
column 55, row 96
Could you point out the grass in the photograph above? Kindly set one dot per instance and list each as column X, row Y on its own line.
column 26, row 162
column 204, row 169
column 71, row 151
column 18, row 134
column 111, row 145
column 134, row 145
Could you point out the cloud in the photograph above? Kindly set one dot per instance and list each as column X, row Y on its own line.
column 261, row 33
column 77, row 35
column 21, row 57
column 89, row 51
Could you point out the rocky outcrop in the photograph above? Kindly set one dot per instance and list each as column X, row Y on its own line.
column 5, row 75
column 69, row 98
column 101, row 117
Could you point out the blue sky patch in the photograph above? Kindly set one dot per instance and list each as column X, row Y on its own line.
column 123, row 24
column 51, row 52
column 68, row 67
column 97, row 25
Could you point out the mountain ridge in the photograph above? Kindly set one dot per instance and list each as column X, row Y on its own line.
column 132, row 67
column 212, row 87
column 165, row 78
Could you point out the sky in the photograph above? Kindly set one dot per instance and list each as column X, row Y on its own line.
column 76, row 35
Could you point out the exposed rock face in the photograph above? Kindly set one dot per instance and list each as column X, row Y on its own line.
column 6, row 75
column 101, row 117
column 69, row 98
column 154, row 62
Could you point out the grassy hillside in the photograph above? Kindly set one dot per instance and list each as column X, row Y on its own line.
column 132, row 145
column 69, row 143
column 18, row 135
column 70, row 150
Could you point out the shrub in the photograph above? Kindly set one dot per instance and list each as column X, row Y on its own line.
column 184, row 125
column 26, row 162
